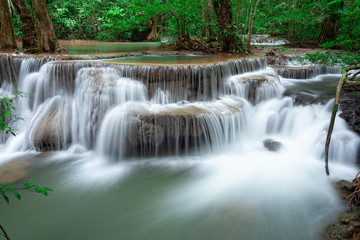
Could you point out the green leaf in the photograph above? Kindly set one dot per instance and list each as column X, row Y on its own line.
column 16, row 194
column 6, row 114
column 5, row 197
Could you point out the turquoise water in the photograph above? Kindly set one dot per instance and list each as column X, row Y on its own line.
column 92, row 47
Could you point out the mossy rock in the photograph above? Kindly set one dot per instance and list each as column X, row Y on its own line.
column 340, row 232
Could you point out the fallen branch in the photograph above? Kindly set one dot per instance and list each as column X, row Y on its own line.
column 346, row 78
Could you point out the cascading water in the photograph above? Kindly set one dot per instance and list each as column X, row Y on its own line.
column 171, row 152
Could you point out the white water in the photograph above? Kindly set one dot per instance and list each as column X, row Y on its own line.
column 213, row 177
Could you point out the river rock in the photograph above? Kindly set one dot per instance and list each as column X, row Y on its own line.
column 272, row 145
column 276, row 59
column 346, row 218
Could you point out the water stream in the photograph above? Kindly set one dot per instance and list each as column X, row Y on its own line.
column 214, row 151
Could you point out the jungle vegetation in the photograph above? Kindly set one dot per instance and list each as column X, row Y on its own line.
column 39, row 23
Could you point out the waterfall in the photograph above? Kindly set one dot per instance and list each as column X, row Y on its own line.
column 148, row 110
column 222, row 138
column 306, row 72
column 148, row 129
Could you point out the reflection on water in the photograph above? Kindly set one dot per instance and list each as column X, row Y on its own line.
column 188, row 59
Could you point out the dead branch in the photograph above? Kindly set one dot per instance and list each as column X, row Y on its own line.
column 343, row 80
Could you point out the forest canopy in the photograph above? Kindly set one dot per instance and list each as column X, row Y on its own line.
column 305, row 23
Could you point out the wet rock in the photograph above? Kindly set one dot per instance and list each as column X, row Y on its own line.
column 340, row 232
column 302, row 98
column 176, row 126
column 356, row 227
column 346, row 218
column 149, row 133
column 272, row 145
column 350, row 106
column 51, row 129
column 345, row 185
column 344, row 188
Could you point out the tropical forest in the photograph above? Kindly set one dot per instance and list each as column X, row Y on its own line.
column 179, row 119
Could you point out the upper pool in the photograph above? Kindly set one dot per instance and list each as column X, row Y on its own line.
column 79, row 47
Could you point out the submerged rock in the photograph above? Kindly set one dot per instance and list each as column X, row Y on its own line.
column 13, row 171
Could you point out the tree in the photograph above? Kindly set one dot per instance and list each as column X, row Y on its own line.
column 251, row 26
column 47, row 39
column 7, row 38
column 223, row 11
column 29, row 40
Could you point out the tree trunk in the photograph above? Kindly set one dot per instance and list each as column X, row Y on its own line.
column 29, row 40
column 224, row 16
column 251, row 26
column 7, row 38
column 154, row 29
column 44, row 28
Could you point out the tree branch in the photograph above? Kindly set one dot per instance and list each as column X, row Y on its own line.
column 5, row 234
column 343, row 80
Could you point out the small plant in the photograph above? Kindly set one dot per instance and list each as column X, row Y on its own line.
column 6, row 106
column 13, row 189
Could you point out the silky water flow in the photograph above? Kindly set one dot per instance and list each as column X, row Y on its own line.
column 169, row 152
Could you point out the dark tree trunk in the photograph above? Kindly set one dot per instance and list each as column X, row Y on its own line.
column 7, row 38
column 154, row 29
column 29, row 40
column 224, row 16
column 44, row 28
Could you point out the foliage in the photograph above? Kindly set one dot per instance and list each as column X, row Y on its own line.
column 14, row 189
column 348, row 37
column 332, row 24
column 340, row 58
column 6, row 106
